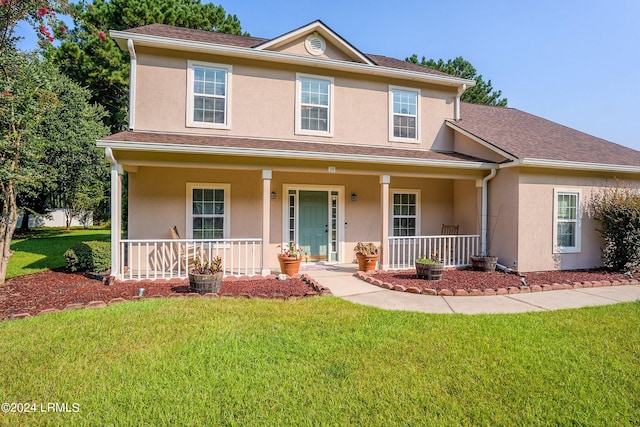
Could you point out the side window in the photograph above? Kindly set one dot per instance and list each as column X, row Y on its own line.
column 208, row 95
column 566, row 221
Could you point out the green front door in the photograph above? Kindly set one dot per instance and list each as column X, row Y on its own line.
column 313, row 223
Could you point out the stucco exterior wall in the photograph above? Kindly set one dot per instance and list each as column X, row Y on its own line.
column 262, row 102
column 536, row 218
column 503, row 216
column 466, row 206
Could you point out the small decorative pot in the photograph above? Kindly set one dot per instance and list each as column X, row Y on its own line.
column 429, row 271
column 289, row 265
column 484, row 263
column 367, row 262
column 205, row 283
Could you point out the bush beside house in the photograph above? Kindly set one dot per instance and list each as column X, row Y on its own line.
column 89, row 256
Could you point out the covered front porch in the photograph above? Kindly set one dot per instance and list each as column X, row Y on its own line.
column 245, row 204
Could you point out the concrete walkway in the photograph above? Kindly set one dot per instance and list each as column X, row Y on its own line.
column 343, row 284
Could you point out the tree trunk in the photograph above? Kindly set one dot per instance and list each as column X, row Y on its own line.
column 7, row 227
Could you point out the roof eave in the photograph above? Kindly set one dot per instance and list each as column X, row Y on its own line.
column 289, row 154
column 562, row 164
column 121, row 38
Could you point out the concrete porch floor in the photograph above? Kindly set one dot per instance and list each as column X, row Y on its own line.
column 340, row 279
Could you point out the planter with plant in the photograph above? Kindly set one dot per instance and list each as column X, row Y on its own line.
column 483, row 262
column 290, row 259
column 367, row 256
column 429, row 268
column 206, row 276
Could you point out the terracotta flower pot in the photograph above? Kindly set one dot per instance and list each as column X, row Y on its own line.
column 367, row 262
column 289, row 265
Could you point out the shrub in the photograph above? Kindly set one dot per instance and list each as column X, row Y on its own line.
column 89, row 256
column 618, row 210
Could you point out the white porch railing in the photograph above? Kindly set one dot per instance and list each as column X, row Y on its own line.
column 169, row 258
column 455, row 251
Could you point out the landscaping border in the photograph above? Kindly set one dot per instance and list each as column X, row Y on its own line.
column 491, row 292
column 318, row 290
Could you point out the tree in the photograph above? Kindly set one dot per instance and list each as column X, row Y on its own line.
column 78, row 168
column 91, row 58
column 26, row 97
column 481, row 93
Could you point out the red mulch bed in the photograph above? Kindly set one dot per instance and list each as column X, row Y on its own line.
column 469, row 279
column 56, row 289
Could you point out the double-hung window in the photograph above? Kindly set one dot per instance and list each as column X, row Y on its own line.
column 208, row 211
column 314, row 97
column 403, row 118
column 208, row 89
column 566, row 221
column 405, row 215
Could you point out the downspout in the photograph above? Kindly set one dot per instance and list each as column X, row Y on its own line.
column 132, row 84
column 116, row 206
column 483, row 229
column 456, row 113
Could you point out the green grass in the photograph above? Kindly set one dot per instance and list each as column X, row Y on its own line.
column 43, row 249
column 322, row 361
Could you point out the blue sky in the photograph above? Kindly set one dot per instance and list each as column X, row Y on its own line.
column 571, row 61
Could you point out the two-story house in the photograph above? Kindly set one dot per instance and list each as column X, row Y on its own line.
column 246, row 144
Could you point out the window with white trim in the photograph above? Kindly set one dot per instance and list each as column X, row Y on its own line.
column 403, row 117
column 566, row 221
column 405, row 213
column 313, row 105
column 208, row 94
column 208, row 211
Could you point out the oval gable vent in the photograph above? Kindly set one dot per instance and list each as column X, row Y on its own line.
column 315, row 44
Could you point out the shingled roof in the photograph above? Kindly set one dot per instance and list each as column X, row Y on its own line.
column 250, row 145
column 526, row 136
column 189, row 34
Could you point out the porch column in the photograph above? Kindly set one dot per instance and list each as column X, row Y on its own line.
column 116, row 217
column 266, row 219
column 384, row 229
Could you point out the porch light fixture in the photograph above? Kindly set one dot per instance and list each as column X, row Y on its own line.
column 273, row 195
column 354, row 197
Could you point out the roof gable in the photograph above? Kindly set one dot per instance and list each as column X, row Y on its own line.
column 299, row 35
column 528, row 137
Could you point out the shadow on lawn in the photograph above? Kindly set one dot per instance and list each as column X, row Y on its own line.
column 52, row 244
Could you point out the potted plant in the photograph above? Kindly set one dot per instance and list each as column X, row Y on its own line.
column 484, row 262
column 206, row 276
column 429, row 268
column 367, row 256
column 290, row 259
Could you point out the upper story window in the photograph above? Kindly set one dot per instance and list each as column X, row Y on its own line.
column 566, row 221
column 314, row 96
column 208, row 89
column 403, row 117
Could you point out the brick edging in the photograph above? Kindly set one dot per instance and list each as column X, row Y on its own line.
column 318, row 290
column 490, row 292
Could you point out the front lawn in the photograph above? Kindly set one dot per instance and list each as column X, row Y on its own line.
column 44, row 248
column 321, row 361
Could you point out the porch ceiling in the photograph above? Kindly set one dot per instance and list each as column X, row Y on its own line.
column 145, row 147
